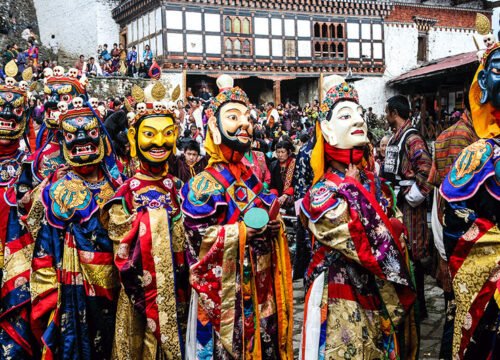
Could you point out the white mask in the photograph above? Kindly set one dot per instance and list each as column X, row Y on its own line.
column 346, row 127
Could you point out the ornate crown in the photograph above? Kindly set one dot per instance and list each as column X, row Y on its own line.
column 227, row 92
column 335, row 93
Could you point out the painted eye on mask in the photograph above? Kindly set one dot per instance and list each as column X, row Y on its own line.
column 69, row 137
column 232, row 117
column 345, row 117
column 66, row 98
column 148, row 134
column 169, row 133
column 94, row 133
column 18, row 111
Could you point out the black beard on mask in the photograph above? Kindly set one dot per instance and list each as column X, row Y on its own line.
column 231, row 140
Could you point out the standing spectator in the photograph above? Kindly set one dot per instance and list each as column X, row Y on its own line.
column 28, row 34
column 79, row 63
column 272, row 115
column 447, row 147
column 54, row 45
column 22, row 59
column 205, row 95
column 147, row 56
column 188, row 164
column 407, row 166
column 106, row 56
column 33, row 52
column 131, row 62
column 117, row 121
column 282, row 169
column 123, row 60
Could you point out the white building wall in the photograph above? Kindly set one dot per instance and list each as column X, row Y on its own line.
column 78, row 26
column 401, row 45
column 444, row 42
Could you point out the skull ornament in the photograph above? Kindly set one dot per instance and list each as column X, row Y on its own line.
column 62, row 106
column 73, row 73
column 77, row 103
column 489, row 40
column 58, row 71
column 23, row 85
column 94, row 102
column 157, row 106
column 48, row 72
column 10, row 81
column 141, row 107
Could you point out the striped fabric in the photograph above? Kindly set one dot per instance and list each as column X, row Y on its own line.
column 448, row 145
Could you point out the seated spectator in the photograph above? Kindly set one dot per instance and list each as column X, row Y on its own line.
column 106, row 56
column 79, row 63
column 142, row 72
column 188, row 164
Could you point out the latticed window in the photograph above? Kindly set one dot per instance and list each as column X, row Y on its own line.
column 229, row 46
column 317, row 49
column 245, row 26
column 246, row 47
column 236, row 25
column 237, row 47
column 228, row 24
column 290, row 48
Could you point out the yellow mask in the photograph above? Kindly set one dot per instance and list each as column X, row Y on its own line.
column 154, row 140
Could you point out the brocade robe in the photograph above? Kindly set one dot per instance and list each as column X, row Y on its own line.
column 145, row 224
column 16, row 248
column 472, row 242
column 241, row 306
column 73, row 279
column 358, row 282
column 38, row 166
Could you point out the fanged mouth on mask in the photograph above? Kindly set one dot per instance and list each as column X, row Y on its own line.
column 12, row 116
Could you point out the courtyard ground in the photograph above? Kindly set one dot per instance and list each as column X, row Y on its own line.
column 431, row 328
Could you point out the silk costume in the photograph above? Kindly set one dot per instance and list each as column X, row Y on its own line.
column 145, row 224
column 16, row 245
column 471, row 215
column 359, row 288
column 73, row 279
column 241, row 306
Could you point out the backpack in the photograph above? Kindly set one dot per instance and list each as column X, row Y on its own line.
column 394, row 155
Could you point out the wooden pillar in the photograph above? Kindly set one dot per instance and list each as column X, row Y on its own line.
column 320, row 88
column 277, row 91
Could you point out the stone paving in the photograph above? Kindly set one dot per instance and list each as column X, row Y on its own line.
column 431, row 328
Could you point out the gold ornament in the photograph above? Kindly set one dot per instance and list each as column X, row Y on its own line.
column 137, row 93
column 176, row 93
column 11, row 69
column 127, row 105
column 483, row 26
column 27, row 74
column 158, row 91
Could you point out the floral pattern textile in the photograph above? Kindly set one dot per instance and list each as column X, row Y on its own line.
column 359, row 283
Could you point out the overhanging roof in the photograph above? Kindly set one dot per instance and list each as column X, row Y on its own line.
column 436, row 67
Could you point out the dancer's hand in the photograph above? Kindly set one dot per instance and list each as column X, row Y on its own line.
column 353, row 172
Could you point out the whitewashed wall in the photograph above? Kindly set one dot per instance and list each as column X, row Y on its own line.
column 443, row 43
column 78, row 26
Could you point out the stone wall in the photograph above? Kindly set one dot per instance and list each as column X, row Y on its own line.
column 78, row 26
column 111, row 87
